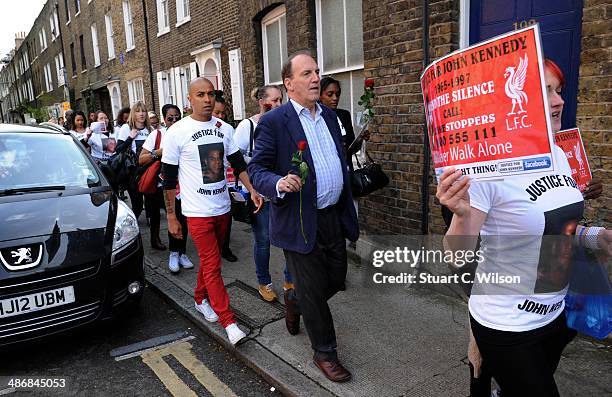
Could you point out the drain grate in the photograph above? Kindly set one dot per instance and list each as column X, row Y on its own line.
column 250, row 308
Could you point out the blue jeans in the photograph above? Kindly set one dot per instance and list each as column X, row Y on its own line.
column 261, row 246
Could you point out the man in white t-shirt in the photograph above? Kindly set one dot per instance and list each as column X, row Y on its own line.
column 193, row 154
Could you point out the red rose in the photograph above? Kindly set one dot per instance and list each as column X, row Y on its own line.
column 369, row 83
column 218, row 125
column 302, row 145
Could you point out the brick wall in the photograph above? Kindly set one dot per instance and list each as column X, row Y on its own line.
column 210, row 21
column 393, row 56
column 135, row 62
column 594, row 115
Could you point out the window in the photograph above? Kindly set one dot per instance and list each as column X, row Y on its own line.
column 184, row 80
column 67, row 8
column 42, row 38
column 73, row 59
column 110, row 41
column 163, row 17
column 165, row 86
column 54, row 25
column 48, row 78
column 94, row 42
column 77, row 7
column 274, row 40
column 129, row 26
column 135, row 90
column 26, row 60
column 59, row 68
column 83, row 58
column 182, row 12
column 30, row 90
column 340, row 48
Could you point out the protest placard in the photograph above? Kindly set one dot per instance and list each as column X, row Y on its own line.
column 571, row 143
column 486, row 108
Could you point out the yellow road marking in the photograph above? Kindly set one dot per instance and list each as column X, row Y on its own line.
column 183, row 353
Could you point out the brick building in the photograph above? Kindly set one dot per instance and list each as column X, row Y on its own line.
column 190, row 39
column 106, row 48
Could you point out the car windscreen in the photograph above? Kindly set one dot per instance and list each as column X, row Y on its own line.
column 35, row 161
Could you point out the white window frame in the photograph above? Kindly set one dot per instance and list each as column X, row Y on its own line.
column 54, row 24
column 182, row 16
column 163, row 17
column 26, row 60
column 128, row 23
column 236, row 84
column 345, row 69
column 48, row 78
column 67, row 5
column 77, row 3
column 136, row 90
column 59, row 68
column 272, row 17
column 42, row 37
column 30, row 89
column 166, row 87
column 110, row 39
column 95, row 44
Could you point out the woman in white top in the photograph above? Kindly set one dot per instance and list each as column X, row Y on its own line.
column 79, row 128
column 268, row 97
column 131, row 136
column 150, row 153
column 519, row 330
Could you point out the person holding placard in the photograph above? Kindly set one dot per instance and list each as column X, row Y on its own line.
column 520, row 337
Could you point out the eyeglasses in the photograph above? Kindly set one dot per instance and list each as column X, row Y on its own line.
column 173, row 118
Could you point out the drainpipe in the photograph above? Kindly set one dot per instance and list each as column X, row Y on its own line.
column 146, row 27
column 61, row 40
column 426, row 149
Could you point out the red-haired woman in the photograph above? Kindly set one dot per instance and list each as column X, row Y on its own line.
column 519, row 331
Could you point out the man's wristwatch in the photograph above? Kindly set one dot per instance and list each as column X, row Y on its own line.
column 155, row 156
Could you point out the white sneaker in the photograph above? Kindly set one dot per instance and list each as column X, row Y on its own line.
column 185, row 262
column 234, row 334
column 207, row 311
column 173, row 262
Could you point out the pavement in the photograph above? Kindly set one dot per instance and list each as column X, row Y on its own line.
column 397, row 340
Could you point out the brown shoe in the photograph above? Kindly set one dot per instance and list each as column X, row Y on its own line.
column 333, row 370
column 267, row 293
column 292, row 317
column 287, row 286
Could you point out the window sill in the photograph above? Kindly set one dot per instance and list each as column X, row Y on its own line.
column 68, row 23
column 184, row 21
column 163, row 32
column 83, row 71
column 110, row 59
column 77, row 14
column 130, row 49
column 97, row 65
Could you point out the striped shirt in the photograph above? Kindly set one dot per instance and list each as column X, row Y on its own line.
column 324, row 156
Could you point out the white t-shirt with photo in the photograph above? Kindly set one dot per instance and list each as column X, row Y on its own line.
column 124, row 134
column 200, row 149
column 520, row 210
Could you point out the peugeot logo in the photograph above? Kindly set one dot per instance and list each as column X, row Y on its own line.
column 21, row 258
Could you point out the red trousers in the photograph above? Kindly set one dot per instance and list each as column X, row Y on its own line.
column 208, row 234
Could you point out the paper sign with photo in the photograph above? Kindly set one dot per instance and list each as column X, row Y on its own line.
column 571, row 143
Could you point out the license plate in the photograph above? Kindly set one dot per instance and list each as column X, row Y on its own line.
column 39, row 301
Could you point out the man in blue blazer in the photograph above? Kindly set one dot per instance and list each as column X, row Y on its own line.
column 309, row 219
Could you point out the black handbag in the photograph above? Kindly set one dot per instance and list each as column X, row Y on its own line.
column 368, row 178
column 124, row 166
column 242, row 211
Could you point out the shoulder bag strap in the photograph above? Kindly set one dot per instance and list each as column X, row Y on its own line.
column 251, row 138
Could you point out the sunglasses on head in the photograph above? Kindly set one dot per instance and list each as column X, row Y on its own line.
column 173, row 118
